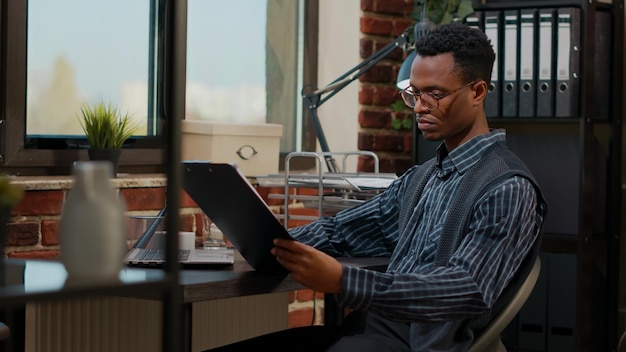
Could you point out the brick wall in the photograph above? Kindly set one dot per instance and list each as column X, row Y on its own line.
column 33, row 227
column 381, row 22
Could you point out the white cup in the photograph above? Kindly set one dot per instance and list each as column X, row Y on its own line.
column 186, row 240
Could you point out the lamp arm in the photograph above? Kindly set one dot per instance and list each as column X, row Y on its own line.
column 314, row 100
column 342, row 81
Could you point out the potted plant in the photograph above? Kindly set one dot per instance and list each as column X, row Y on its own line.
column 107, row 130
column 442, row 11
column 10, row 196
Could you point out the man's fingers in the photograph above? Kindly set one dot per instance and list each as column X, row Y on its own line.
column 290, row 245
column 287, row 264
column 282, row 253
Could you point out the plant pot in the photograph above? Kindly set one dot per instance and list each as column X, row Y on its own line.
column 111, row 155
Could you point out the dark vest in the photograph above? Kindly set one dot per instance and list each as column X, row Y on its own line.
column 497, row 165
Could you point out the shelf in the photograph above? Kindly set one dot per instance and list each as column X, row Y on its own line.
column 514, row 5
column 577, row 161
column 36, row 280
column 333, row 181
column 336, row 191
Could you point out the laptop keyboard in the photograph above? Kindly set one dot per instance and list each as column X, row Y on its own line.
column 183, row 255
column 159, row 254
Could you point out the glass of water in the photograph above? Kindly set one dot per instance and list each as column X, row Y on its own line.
column 212, row 236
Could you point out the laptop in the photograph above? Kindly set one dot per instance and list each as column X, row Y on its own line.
column 149, row 251
column 232, row 203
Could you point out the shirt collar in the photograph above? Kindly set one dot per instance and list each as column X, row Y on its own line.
column 466, row 155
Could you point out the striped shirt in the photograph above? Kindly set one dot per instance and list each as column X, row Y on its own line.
column 502, row 228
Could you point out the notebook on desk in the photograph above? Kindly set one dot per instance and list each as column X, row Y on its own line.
column 149, row 251
column 232, row 203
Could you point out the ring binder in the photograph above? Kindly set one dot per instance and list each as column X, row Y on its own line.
column 545, row 86
column 527, row 54
column 509, row 87
column 568, row 62
column 492, row 30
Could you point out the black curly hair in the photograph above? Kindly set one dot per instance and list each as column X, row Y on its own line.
column 471, row 48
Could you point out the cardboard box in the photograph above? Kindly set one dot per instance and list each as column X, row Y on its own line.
column 254, row 147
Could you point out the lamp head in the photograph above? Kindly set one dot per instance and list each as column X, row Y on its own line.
column 420, row 29
column 404, row 74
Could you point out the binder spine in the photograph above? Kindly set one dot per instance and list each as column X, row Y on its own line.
column 545, row 63
column 528, row 61
column 568, row 62
column 510, row 74
column 492, row 30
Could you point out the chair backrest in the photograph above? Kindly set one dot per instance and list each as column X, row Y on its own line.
column 489, row 339
column 621, row 345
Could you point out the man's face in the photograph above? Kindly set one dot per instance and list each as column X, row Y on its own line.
column 459, row 115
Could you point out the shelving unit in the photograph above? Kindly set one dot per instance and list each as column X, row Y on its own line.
column 335, row 191
column 577, row 160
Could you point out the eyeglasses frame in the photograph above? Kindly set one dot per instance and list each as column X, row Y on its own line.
column 437, row 97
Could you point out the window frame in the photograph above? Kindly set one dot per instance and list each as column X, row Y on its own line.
column 309, row 76
column 146, row 155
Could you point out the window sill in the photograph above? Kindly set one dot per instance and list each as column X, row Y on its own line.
column 40, row 183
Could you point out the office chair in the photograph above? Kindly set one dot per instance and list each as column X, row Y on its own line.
column 5, row 332
column 621, row 345
column 489, row 339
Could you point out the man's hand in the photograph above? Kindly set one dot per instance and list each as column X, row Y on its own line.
column 309, row 266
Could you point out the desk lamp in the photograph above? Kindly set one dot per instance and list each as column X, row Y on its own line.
column 314, row 97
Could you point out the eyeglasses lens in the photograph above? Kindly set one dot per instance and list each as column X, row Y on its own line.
column 428, row 100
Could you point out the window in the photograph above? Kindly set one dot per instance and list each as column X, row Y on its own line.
column 247, row 70
column 226, row 61
column 91, row 52
column 245, row 62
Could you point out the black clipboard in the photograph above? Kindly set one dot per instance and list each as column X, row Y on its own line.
column 232, row 203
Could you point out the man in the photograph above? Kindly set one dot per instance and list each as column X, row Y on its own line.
column 456, row 228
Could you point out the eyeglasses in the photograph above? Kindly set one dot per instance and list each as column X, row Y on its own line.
column 429, row 100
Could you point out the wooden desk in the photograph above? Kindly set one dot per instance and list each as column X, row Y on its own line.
column 203, row 292
column 62, row 319
column 227, row 292
column 233, row 281
column 242, row 280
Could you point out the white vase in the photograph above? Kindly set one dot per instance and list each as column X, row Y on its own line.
column 92, row 226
